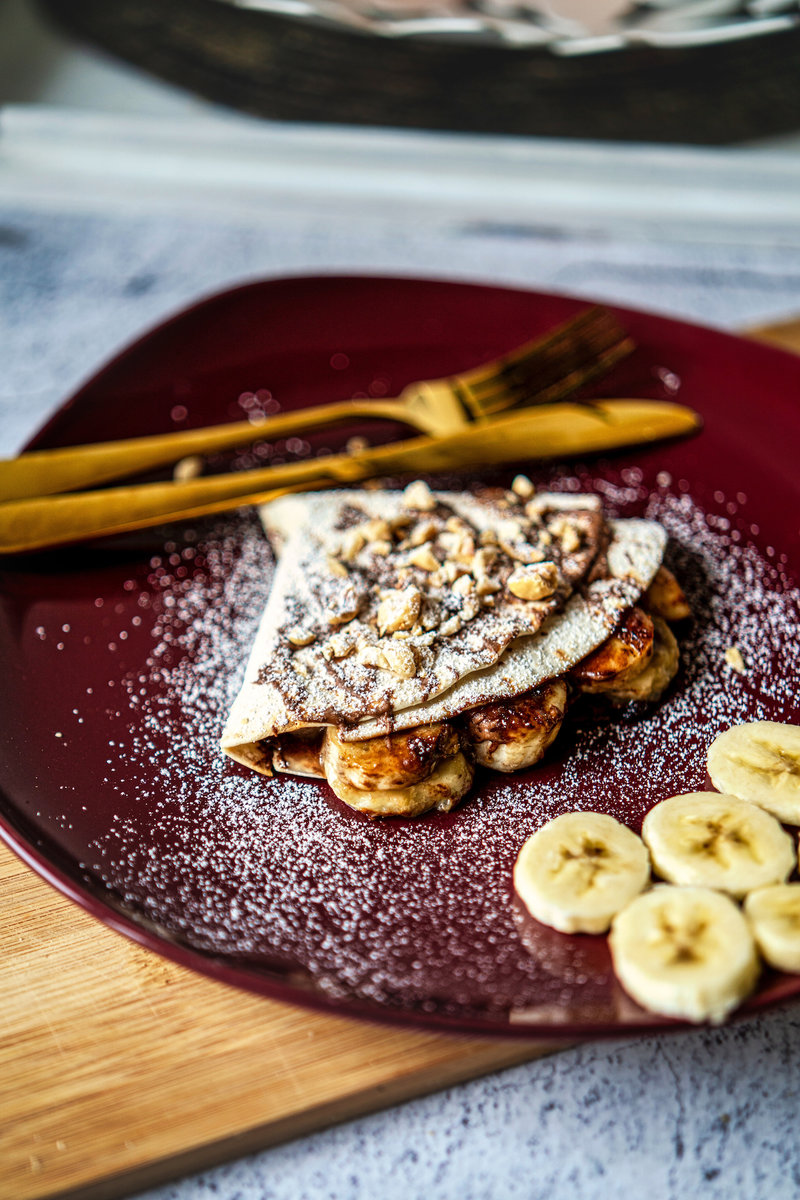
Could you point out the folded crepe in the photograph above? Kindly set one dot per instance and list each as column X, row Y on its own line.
column 392, row 612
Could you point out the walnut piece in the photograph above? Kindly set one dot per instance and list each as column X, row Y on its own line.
column 533, row 582
column 399, row 610
column 523, row 487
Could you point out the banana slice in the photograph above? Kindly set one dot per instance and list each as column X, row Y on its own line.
column 684, row 952
column 513, row 734
column 666, row 598
column 442, row 790
column 774, row 916
column 703, row 839
column 620, row 658
column 760, row 762
column 580, row 869
column 394, row 761
column 649, row 684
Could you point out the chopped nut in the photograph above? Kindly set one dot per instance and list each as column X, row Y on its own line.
column 451, row 626
column 733, row 657
column 300, row 637
column 533, row 582
column 567, row 534
column 400, row 659
column 463, row 585
column 470, row 608
column 423, row 532
column 336, row 567
column 344, row 607
column 509, row 531
column 523, row 551
column 391, row 656
column 188, row 468
column 371, row 656
column 487, row 537
column 381, row 548
column 418, row 495
column 486, row 586
column 337, row 646
column 481, row 561
column 523, row 487
column 399, row 610
column 424, row 558
column 451, row 571
column 376, row 530
column 352, row 542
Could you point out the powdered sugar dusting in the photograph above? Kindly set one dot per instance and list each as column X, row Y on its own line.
column 280, row 878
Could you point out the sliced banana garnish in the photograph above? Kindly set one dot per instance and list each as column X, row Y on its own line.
column 513, row 734
column 580, row 869
column 442, row 790
column 774, row 916
column 760, row 762
column 666, row 598
column 684, row 952
column 704, row 839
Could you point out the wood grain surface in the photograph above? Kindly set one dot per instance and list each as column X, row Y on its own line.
column 120, row 1070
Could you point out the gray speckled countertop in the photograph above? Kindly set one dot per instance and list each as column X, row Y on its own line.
column 709, row 1112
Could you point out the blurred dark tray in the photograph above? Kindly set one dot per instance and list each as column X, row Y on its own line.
column 302, row 70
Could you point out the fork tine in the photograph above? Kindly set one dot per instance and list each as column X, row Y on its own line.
column 519, row 389
column 547, row 369
column 582, row 336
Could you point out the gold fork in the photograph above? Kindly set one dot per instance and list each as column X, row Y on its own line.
column 547, row 369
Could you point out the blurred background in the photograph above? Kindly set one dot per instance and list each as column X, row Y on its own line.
column 681, row 71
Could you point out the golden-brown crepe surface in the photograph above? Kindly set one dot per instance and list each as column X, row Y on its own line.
column 391, row 609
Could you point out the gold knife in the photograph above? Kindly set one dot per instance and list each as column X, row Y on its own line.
column 551, row 431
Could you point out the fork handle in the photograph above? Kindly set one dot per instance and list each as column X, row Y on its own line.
column 44, row 472
column 555, row 430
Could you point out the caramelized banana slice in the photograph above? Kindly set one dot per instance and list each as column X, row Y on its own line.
column 665, row 597
column 513, row 734
column 621, row 657
column 299, row 753
column 663, row 666
column 442, row 790
column 394, row 761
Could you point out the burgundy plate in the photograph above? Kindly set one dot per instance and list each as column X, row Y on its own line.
column 121, row 658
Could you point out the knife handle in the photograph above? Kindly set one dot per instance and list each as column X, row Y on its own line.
column 556, row 430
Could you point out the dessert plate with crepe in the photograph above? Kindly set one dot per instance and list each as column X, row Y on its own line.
column 502, row 628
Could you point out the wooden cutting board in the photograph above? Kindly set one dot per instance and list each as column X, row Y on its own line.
column 119, row 1070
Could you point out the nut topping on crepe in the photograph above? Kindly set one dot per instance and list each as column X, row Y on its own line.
column 476, row 617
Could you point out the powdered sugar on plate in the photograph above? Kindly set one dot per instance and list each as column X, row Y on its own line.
column 291, row 887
